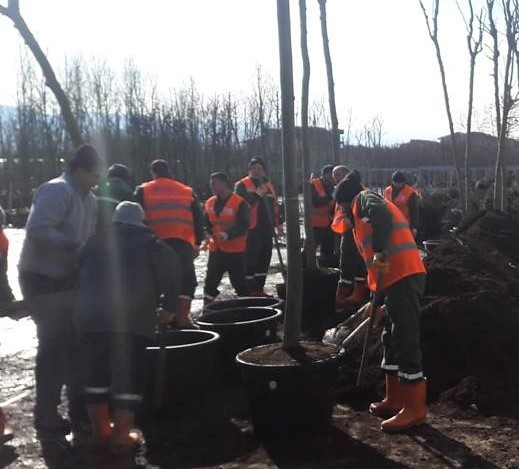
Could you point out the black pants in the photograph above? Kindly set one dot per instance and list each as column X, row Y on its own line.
column 401, row 334
column 184, row 251
column 58, row 352
column 259, row 253
column 113, row 367
column 220, row 262
column 325, row 238
column 351, row 264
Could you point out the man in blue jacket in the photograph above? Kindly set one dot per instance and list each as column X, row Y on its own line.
column 123, row 273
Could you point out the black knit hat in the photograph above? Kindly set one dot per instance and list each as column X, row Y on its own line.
column 398, row 176
column 120, row 171
column 257, row 160
column 348, row 188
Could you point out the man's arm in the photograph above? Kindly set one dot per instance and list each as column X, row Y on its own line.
column 139, row 195
column 251, row 197
column 414, row 211
column 374, row 209
column 50, row 207
column 320, row 201
column 198, row 220
column 241, row 226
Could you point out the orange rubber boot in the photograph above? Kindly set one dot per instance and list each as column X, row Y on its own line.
column 343, row 291
column 99, row 415
column 392, row 403
column 414, row 411
column 359, row 295
column 123, row 438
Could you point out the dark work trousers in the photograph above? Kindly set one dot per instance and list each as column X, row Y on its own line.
column 325, row 239
column 220, row 262
column 401, row 333
column 58, row 354
column 185, row 253
column 351, row 265
column 258, row 253
column 113, row 367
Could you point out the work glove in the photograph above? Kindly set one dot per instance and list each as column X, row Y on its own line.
column 165, row 317
column 380, row 265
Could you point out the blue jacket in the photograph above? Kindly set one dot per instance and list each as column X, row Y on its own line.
column 124, row 270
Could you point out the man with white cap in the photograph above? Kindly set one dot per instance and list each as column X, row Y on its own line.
column 123, row 270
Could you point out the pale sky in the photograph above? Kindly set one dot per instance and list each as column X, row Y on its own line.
column 384, row 62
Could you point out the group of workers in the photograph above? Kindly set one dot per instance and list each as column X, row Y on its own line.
column 118, row 250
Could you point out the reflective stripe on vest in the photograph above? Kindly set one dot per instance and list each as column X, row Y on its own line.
column 402, row 199
column 321, row 216
column 223, row 222
column 167, row 205
column 251, row 189
column 341, row 223
column 401, row 252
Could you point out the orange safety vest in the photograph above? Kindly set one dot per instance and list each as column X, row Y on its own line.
column 167, row 204
column 401, row 253
column 223, row 221
column 340, row 223
column 402, row 199
column 251, row 189
column 321, row 216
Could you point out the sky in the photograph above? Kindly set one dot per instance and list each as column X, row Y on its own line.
column 384, row 62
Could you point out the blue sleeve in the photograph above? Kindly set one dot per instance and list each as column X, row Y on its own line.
column 49, row 209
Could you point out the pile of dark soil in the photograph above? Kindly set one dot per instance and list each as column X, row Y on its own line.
column 469, row 319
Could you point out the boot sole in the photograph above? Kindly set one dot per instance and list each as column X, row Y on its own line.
column 384, row 415
column 404, row 428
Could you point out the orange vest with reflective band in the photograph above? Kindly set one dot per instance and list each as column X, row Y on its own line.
column 251, row 189
column 321, row 216
column 341, row 222
column 402, row 199
column 167, row 205
column 401, row 252
column 225, row 220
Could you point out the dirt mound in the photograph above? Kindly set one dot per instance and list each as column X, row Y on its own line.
column 470, row 318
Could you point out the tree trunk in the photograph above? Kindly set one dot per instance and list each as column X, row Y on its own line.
column 13, row 12
column 331, row 87
column 295, row 277
column 311, row 260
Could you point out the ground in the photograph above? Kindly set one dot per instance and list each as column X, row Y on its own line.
column 222, row 437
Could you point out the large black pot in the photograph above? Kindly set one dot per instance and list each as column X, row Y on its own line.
column 190, row 370
column 241, row 328
column 245, row 302
column 290, row 398
column 319, row 287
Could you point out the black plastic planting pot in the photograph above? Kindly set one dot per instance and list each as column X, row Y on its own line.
column 239, row 329
column 245, row 302
column 319, row 287
column 287, row 399
column 190, row 370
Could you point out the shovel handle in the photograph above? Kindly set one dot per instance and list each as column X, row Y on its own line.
column 371, row 322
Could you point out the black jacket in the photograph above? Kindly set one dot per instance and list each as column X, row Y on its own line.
column 123, row 271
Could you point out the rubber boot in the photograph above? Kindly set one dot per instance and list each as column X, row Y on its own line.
column 6, row 433
column 360, row 293
column 182, row 319
column 344, row 290
column 101, row 426
column 414, row 411
column 123, row 439
column 392, row 403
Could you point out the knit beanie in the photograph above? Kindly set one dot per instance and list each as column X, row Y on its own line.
column 348, row 188
column 257, row 160
column 130, row 213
